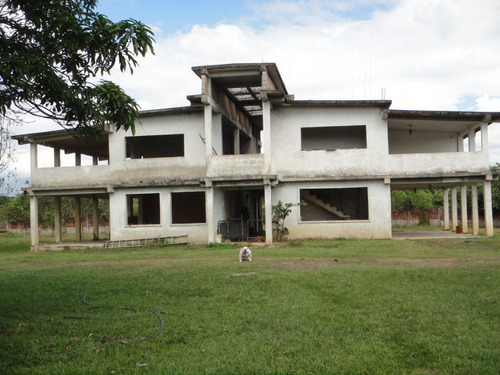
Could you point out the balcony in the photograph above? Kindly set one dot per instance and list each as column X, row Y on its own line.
column 247, row 166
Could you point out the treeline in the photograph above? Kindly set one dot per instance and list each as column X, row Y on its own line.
column 16, row 209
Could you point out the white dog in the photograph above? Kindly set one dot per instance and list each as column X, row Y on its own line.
column 245, row 254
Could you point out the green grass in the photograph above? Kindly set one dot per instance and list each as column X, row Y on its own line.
column 386, row 307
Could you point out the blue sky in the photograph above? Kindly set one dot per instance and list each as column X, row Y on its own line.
column 174, row 16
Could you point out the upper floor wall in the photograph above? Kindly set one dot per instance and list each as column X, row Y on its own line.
column 335, row 141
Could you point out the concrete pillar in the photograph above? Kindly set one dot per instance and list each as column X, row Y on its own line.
column 95, row 217
column 475, row 211
column 95, row 160
column 268, row 214
column 472, row 140
column 57, row 219
column 34, row 220
column 78, row 159
column 446, row 208
column 33, row 156
column 208, row 131
column 57, row 157
column 461, row 143
column 454, row 218
column 209, row 207
column 266, row 134
column 484, row 138
column 78, row 215
column 488, row 210
column 463, row 208
column 237, row 141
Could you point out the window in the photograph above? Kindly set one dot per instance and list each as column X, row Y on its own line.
column 143, row 209
column 334, row 204
column 155, row 146
column 188, row 208
column 333, row 137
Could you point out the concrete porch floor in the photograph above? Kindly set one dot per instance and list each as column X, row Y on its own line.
column 431, row 234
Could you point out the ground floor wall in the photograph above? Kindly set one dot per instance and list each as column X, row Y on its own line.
column 165, row 222
column 375, row 224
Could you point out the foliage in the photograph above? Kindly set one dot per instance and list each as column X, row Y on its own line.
column 52, row 51
column 386, row 307
column 413, row 199
column 7, row 156
column 280, row 213
column 17, row 209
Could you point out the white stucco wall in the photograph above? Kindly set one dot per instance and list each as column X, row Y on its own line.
column 379, row 210
column 289, row 161
column 401, row 142
column 120, row 230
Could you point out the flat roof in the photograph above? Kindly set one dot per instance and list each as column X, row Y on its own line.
column 385, row 104
column 467, row 116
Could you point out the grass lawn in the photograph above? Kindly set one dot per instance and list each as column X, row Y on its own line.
column 385, row 307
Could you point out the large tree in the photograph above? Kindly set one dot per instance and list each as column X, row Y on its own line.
column 51, row 53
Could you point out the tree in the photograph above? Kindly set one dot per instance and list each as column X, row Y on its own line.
column 280, row 213
column 7, row 156
column 415, row 200
column 51, row 53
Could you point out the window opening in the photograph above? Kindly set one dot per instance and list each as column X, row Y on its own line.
column 188, row 208
column 333, row 137
column 334, row 204
column 143, row 209
column 155, row 146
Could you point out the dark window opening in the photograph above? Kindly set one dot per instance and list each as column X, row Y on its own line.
column 334, row 204
column 227, row 138
column 143, row 209
column 188, row 208
column 333, row 137
column 155, row 146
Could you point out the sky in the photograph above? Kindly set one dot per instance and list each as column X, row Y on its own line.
column 424, row 54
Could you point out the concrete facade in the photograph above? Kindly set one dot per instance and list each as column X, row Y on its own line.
column 214, row 169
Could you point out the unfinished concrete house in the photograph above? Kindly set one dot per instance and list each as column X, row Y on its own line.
column 212, row 170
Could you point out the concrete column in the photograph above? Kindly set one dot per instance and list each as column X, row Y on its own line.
column 34, row 220
column 266, row 134
column 484, row 138
column 488, row 210
column 95, row 217
column 95, row 160
column 33, row 156
column 463, row 208
column 446, row 208
column 57, row 157
column 472, row 140
column 78, row 159
column 209, row 207
column 461, row 143
column 208, row 131
column 57, row 219
column 268, row 214
column 454, row 218
column 475, row 211
column 237, row 141
column 78, row 215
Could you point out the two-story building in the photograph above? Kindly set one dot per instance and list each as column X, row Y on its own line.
column 215, row 168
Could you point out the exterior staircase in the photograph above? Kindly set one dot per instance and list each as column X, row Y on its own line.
column 325, row 205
